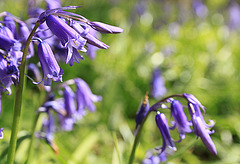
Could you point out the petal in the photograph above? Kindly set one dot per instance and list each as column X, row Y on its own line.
column 162, row 125
column 105, row 28
column 202, row 132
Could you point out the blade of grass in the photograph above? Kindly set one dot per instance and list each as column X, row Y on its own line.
column 19, row 141
column 84, row 147
column 116, row 146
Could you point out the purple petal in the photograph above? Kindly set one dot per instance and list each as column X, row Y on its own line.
column 105, row 28
column 162, row 125
column 201, row 131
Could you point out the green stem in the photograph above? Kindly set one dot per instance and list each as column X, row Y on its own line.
column 32, row 138
column 18, row 100
column 136, row 140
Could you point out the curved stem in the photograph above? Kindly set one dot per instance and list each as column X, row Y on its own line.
column 18, row 100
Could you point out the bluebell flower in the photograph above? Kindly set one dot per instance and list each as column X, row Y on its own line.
column 162, row 125
column 1, row 133
column 66, row 109
column 6, row 31
column 200, row 128
column 10, row 23
column 157, row 84
column 68, row 119
column 57, row 105
column 72, row 34
column 66, row 123
column 180, row 119
column 84, row 96
column 15, row 57
column 142, row 112
column 105, row 28
column 201, row 131
column 50, row 128
column 8, row 75
column 69, row 38
column 93, row 44
column 194, row 108
column 89, row 34
column 23, row 35
column 47, row 132
column 69, row 101
column 50, row 68
column 6, row 43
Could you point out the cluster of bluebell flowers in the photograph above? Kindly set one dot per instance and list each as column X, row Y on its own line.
column 67, row 109
column 196, row 124
column 61, row 36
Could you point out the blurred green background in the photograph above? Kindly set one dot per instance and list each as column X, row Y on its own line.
column 198, row 53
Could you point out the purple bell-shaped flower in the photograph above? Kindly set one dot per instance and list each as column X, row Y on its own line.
column 50, row 68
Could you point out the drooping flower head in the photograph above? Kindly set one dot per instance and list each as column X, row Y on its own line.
column 200, row 127
column 23, row 35
column 69, row 38
column 47, row 132
column 162, row 125
column 180, row 119
column 201, row 131
column 69, row 102
column 50, row 128
column 84, row 96
column 75, row 34
column 50, row 68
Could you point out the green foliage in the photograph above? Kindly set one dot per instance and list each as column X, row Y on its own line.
column 203, row 60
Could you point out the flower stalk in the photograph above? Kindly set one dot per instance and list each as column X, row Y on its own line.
column 137, row 139
column 18, row 100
